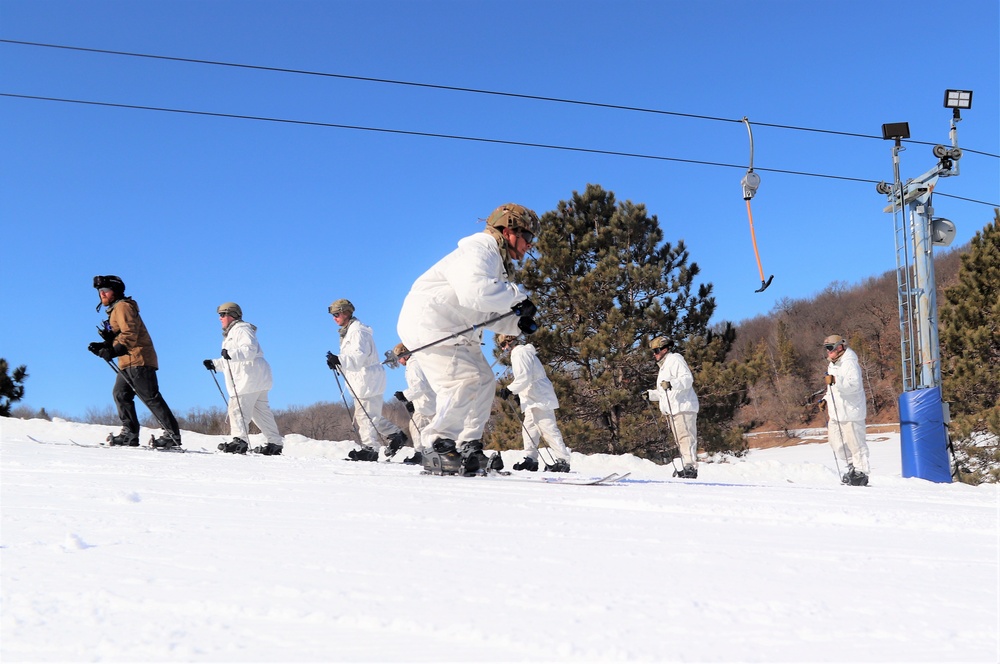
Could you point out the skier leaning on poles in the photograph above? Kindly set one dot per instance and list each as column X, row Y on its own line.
column 678, row 402
column 847, row 409
column 364, row 374
column 126, row 338
column 248, row 379
column 443, row 317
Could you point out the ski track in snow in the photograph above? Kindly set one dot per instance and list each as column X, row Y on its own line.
column 121, row 554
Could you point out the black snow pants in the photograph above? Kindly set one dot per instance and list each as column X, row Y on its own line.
column 148, row 389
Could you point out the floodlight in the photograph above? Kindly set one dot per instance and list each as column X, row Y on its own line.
column 958, row 99
column 896, row 131
column 942, row 231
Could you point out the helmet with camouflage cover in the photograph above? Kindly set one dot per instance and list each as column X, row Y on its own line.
column 512, row 215
column 661, row 342
column 341, row 306
column 230, row 309
column 504, row 339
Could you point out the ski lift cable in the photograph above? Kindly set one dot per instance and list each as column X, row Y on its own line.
column 750, row 183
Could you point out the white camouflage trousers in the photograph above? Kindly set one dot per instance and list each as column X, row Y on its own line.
column 848, row 442
column 464, row 387
column 540, row 423
column 370, row 422
column 255, row 407
column 685, row 431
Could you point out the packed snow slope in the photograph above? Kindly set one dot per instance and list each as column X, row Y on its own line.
column 113, row 554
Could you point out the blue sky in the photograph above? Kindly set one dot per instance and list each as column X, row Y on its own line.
column 283, row 218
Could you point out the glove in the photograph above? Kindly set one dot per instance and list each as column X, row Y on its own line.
column 225, row 354
column 332, row 360
column 97, row 346
column 527, row 325
column 409, row 407
column 209, row 364
column 830, row 380
column 505, row 393
column 525, row 309
column 822, row 405
column 665, row 384
column 400, row 396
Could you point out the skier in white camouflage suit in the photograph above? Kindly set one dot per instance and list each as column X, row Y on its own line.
column 248, row 380
column 846, row 406
column 678, row 402
column 466, row 289
column 418, row 399
column 538, row 402
column 365, row 376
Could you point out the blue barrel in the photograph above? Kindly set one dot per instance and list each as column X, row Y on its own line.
column 922, row 436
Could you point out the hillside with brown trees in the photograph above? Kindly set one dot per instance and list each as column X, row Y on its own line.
column 789, row 339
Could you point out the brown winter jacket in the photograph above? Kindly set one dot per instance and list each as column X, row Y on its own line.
column 131, row 333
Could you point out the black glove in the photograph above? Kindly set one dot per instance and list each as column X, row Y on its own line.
column 830, row 380
column 97, row 346
column 400, row 396
column 505, row 393
column 209, row 364
column 525, row 309
column 409, row 407
column 332, row 360
column 225, row 354
column 527, row 325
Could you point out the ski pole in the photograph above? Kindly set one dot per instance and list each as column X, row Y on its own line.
column 673, row 432
column 221, row 393
column 840, row 430
column 246, row 425
column 346, row 407
column 134, row 391
column 393, row 361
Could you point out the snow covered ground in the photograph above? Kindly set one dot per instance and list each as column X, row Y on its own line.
column 137, row 555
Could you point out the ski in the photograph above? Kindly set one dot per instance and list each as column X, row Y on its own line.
column 569, row 481
column 593, row 481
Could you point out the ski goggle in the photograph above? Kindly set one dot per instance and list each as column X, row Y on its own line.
column 830, row 347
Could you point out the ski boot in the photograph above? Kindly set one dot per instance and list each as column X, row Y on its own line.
column 496, row 463
column 235, row 446
column 558, row 466
column 857, row 478
column 442, row 458
column 268, row 450
column 688, row 472
column 397, row 441
column 364, row 454
column 846, row 478
column 474, row 461
column 527, row 464
column 124, row 439
column 416, row 460
column 168, row 441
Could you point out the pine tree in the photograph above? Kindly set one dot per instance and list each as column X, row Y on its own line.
column 11, row 386
column 605, row 284
column 970, row 344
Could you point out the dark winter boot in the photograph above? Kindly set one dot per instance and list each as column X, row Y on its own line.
column 527, row 464
column 167, row 441
column 857, row 478
column 846, row 479
column 397, row 441
column 442, row 458
column 496, row 462
column 364, row 454
column 124, row 439
column 235, row 446
column 268, row 450
column 474, row 461
column 415, row 460
column 558, row 466
column 688, row 472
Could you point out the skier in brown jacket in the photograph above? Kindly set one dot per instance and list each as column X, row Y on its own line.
column 125, row 337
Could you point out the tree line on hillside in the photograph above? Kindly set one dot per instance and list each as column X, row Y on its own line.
column 606, row 282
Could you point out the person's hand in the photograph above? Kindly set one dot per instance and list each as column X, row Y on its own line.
column 409, row 407
column 505, row 393
column 400, row 396
column 332, row 360
column 665, row 384
column 525, row 309
column 830, row 380
column 225, row 354
column 209, row 364
column 96, row 347
column 822, row 406
column 527, row 325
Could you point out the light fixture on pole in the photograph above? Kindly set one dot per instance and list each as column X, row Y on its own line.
column 957, row 100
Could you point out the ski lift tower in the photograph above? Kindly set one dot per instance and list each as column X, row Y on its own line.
column 922, row 413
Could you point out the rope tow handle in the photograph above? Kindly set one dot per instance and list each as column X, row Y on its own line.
column 750, row 183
